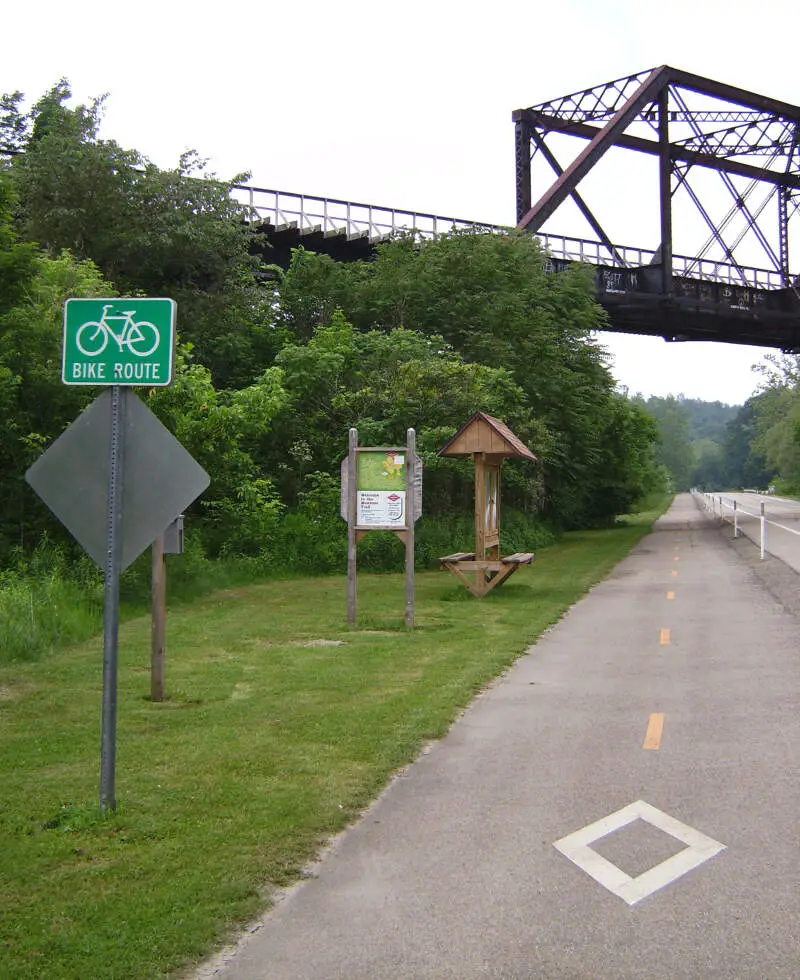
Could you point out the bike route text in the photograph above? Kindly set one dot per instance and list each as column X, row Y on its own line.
column 144, row 371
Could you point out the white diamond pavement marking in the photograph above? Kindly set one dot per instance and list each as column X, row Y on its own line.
column 699, row 848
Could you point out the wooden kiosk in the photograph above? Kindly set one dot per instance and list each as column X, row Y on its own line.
column 489, row 441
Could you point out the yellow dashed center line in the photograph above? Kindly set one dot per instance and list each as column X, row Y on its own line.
column 674, row 572
column 670, row 595
column 652, row 738
column 664, row 637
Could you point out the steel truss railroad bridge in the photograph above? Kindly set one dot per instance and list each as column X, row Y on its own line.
column 711, row 143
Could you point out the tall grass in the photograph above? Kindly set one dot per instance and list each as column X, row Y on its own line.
column 40, row 614
column 50, row 601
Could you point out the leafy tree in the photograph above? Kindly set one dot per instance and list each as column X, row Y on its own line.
column 18, row 260
column 36, row 407
column 694, row 441
column 744, row 466
column 14, row 123
column 176, row 233
column 222, row 430
column 675, row 449
column 491, row 301
column 384, row 383
column 709, row 471
column 627, row 470
column 777, row 417
column 708, row 420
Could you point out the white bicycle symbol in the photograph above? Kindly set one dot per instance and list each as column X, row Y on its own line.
column 141, row 338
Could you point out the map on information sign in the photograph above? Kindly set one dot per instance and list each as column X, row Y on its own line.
column 381, row 488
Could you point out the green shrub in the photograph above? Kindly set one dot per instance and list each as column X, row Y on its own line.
column 40, row 614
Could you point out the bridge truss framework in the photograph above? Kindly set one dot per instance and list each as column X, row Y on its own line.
column 689, row 124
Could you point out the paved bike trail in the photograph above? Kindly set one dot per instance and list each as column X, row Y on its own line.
column 454, row 872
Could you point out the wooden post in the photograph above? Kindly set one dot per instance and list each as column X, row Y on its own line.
column 158, row 630
column 352, row 497
column 411, row 474
column 480, row 507
column 493, row 512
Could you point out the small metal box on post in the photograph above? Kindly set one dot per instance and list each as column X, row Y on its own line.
column 489, row 441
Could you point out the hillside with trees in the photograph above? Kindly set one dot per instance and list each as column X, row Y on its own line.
column 275, row 365
column 713, row 446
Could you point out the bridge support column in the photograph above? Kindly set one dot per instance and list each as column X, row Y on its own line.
column 522, row 148
column 665, row 178
column 783, row 233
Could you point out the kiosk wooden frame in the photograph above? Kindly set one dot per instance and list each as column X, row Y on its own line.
column 489, row 441
column 409, row 504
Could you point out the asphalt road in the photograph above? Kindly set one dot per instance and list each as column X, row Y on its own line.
column 782, row 522
column 661, row 714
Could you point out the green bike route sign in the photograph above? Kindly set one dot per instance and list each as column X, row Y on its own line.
column 118, row 341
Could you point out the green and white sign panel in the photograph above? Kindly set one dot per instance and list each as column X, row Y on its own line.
column 381, row 488
column 118, row 341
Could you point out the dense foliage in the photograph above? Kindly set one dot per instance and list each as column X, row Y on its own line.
column 275, row 366
column 713, row 446
column 772, row 425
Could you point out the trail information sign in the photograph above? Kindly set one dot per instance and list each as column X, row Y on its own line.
column 381, row 489
column 118, row 341
column 382, row 494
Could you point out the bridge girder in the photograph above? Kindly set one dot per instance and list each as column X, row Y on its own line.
column 734, row 132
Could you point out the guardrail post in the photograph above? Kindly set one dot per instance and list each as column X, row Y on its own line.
column 735, row 521
column 763, row 533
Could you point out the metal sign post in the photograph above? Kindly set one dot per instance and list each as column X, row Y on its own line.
column 411, row 468
column 116, row 343
column 351, row 527
column 108, row 740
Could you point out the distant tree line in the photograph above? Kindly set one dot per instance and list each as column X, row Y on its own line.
column 275, row 366
column 713, row 446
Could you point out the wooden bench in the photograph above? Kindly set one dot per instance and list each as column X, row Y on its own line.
column 520, row 558
column 488, row 572
column 459, row 556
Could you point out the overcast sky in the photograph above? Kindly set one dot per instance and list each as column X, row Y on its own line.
column 399, row 104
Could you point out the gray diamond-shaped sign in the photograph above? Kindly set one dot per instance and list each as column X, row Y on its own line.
column 159, row 480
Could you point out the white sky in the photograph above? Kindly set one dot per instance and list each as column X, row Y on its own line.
column 399, row 104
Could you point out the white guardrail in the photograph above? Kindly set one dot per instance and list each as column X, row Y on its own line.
column 729, row 510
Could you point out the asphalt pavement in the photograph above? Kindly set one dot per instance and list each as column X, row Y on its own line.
column 623, row 803
column 782, row 517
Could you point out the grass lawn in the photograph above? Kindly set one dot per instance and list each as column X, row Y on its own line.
column 280, row 724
